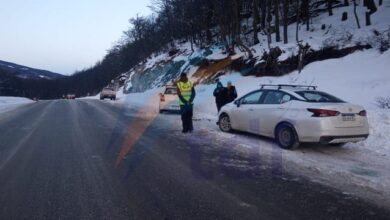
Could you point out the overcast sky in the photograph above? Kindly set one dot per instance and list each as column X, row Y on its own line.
column 63, row 35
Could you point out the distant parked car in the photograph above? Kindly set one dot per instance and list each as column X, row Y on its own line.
column 169, row 101
column 108, row 92
column 294, row 114
column 70, row 96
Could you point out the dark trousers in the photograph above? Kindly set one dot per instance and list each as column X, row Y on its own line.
column 186, row 117
column 220, row 104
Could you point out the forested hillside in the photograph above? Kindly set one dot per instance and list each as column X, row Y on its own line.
column 232, row 25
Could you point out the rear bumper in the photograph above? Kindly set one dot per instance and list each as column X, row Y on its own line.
column 323, row 131
column 342, row 139
column 107, row 96
column 169, row 106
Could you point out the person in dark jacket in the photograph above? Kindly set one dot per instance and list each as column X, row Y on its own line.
column 231, row 92
column 220, row 93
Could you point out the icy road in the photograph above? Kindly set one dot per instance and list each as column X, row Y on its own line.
column 86, row 159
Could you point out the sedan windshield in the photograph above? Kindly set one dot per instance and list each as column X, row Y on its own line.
column 317, row 96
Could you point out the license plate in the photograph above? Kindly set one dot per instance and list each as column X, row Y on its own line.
column 349, row 117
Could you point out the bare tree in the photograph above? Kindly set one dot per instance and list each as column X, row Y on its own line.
column 306, row 13
column 286, row 4
column 263, row 7
column 370, row 4
column 256, row 20
column 330, row 7
column 298, row 14
column 356, row 16
column 269, row 19
column 277, row 22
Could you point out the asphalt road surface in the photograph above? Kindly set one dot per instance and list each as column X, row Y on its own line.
column 86, row 159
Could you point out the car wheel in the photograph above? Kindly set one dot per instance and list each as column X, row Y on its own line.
column 161, row 111
column 224, row 123
column 286, row 136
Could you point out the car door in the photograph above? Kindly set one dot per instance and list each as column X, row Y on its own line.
column 244, row 112
column 272, row 110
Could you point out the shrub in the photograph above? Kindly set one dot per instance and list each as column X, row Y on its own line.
column 381, row 40
column 383, row 102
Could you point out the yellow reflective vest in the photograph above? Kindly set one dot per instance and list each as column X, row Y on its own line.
column 185, row 89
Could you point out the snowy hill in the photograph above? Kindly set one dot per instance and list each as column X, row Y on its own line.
column 27, row 72
column 328, row 37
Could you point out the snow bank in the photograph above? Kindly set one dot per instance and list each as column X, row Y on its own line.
column 360, row 78
column 357, row 78
column 10, row 103
column 358, row 168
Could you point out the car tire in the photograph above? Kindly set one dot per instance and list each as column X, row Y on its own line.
column 224, row 123
column 161, row 111
column 286, row 136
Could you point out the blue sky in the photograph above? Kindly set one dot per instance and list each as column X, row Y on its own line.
column 63, row 35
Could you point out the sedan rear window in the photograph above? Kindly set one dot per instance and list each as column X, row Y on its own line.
column 171, row 91
column 317, row 96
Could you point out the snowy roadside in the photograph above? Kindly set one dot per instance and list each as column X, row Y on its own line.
column 11, row 103
column 360, row 169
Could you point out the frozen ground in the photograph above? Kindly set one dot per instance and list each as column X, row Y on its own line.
column 360, row 169
column 10, row 103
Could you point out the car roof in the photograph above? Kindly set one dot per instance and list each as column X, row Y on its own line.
column 289, row 89
column 298, row 89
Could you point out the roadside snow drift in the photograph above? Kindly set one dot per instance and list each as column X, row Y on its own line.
column 10, row 103
column 357, row 168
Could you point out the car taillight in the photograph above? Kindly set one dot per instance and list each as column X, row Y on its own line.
column 162, row 98
column 363, row 113
column 323, row 112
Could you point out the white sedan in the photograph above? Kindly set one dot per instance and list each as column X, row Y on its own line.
column 169, row 100
column 294, row 114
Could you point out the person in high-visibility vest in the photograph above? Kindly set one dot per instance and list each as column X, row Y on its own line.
column 186, row 93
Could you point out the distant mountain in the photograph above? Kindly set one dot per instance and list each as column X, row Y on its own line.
column 25, row 72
